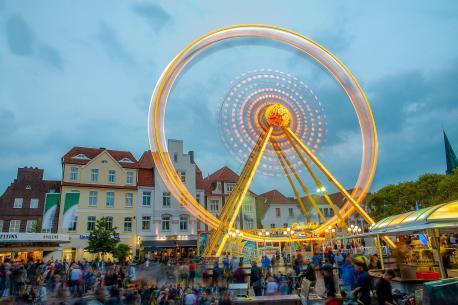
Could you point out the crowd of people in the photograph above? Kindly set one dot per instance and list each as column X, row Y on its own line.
column 183, row 281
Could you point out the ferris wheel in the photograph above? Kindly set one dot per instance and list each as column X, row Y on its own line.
column 274, row 123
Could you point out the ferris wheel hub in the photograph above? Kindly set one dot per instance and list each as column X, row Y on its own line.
column 278, row 115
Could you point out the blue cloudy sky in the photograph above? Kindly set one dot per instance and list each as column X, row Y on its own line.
column 81, row 73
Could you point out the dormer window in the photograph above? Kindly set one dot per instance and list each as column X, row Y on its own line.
column 126, row 160
column 104, row 161
column 80, row 157
column 28, row 187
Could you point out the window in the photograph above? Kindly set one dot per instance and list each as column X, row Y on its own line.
column 18, row 203
column 130, row 178
column 94, row 175
column 73, row 224
column 198, row 198
column 110, row 199
column 277, row 212
column 165, row 221
column 182, row 175
column 214, row 205
column 34, row 203
column 183, row 223
column 146, row 223
column 272, row 226
column 1, row 225
column 147, row 199
column 248, row 224
column 73, row 173
column 31, row 226
column 112, row 176
column 166, row 200
column 285, row 225
column 129, row 200
column 15, row 225
column 91, row 223
column 92, row 198
column 127, row 224
column 175, row 157
column 28, row 187
column 229, row 187
column 109, row 222
column 290, row 212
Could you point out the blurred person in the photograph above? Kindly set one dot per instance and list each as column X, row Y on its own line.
column 383, row 288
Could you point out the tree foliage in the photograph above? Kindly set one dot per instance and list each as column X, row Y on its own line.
column 102, row 238
column 427, row 190
column 121, row 252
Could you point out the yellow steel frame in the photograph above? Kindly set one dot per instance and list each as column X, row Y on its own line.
column 282, row 158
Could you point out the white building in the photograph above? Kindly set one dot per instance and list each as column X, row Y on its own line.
column 278, row 211
column 163, row 224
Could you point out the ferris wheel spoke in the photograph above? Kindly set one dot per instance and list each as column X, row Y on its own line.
column 329, row 176
column 282, row 158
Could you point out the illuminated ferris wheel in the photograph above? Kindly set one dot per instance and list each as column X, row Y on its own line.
column 273, row 123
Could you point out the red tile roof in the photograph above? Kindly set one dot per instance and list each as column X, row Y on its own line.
column 146, row 160
column 91, row 153
column 274, row 196
column 224, row 174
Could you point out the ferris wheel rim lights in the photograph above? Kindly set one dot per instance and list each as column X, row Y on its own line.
column 156, row 115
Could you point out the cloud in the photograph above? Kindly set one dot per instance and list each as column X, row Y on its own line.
column 22, row 42
column 154, row 14
column 19, row 36
column 112, row 44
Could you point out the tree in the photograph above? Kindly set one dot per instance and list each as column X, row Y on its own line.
column 428, row 190
column 121, row 252
column 102, row 239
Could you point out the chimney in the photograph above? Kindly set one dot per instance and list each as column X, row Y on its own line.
column 191, row 156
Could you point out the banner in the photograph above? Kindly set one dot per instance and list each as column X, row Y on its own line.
column 70, row 209
column 52, row 201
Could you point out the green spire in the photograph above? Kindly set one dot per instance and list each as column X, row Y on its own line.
column 452, row 161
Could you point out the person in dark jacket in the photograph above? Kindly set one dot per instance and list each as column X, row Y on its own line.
column 255, row 279
column 239, row 274
column 383, row 289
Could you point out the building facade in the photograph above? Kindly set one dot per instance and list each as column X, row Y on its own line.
column 97, row 183
column 277, row 210
column 22, row 206
column 218, row 187
column 163, row 223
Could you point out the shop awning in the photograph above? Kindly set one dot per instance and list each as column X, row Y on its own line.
column 152, row 245
column 439, row 216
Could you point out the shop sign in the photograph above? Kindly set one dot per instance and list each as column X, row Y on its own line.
column 87, row 236
column 31, row 237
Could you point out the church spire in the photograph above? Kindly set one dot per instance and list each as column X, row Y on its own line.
column 450, row 157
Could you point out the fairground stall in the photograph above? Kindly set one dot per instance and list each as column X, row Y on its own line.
column 426, row 248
